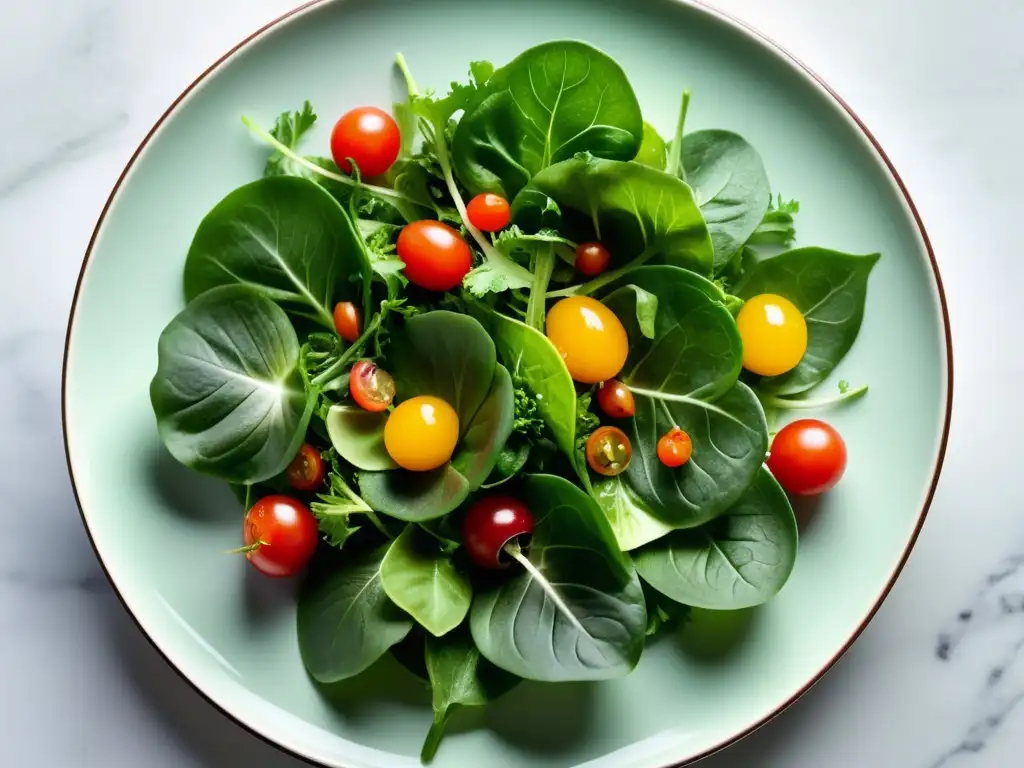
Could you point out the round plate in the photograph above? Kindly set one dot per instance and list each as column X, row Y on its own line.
column 160, row 530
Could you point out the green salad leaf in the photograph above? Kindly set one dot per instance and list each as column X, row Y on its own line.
column 358, row 437
column 653, row 149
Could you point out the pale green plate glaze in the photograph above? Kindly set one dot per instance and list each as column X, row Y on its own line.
column 160, row 530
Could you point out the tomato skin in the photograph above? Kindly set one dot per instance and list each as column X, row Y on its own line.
column 592, row 259
column 421, row 433
column 283, row 534
column 307, row 470
column 371, row 387
column 609, row 451
column 490, row 524
column 590, row 338
column 774, row 334
column 489, row 213
column 615, row 399
column 675, row 448
column 368, row 135
column 347, row 321
column 436, row 256
column 807, row 457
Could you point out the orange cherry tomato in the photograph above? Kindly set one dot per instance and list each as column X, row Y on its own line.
column 421, row 433
column 436, row 256
column 368, row 135
column 346, row 321
column 615, row 399
column 774, row 334
column 280, row 536
column 590, row 338
column 675, row 448
column 489, row 213
column 372, row 388
column 306, row 472
column 592, row 259
column 609, row 451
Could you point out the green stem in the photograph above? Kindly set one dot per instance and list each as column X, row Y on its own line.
column 606, row 279
column 790, row 404
column 543, row 267
column 434, row 737
column 675, row 155
column 248, row 549
column 410, row 82
column 348, row 354
column 248, row 496
column 372, row 517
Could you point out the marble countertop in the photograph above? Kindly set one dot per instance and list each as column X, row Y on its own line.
column 934, row 682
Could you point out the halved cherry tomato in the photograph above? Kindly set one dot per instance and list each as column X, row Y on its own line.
column 306, row 472
column 347, row 321
column 675, row 448
column 615, row 399
column 372, row 388
column 592, row 259
column 774, row 334
column 368, row 135
column 436, row 256
column 489, row 213
column 590, row 338
column 421, row 433
column 609, row 451
column 492, row 523
column 807, row 457
column 280, row 536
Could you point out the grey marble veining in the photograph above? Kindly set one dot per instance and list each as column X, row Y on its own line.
column 937, row 680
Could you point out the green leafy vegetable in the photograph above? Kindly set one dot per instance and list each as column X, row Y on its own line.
column 553, row 101
column 631, row 519
column 663, row 613
column 358, row 437
column 737, row 561
column 646, row 306
column 286, row 237
column 333, row 510
column 345, row 620
column 574, row 610
column 830, row 289
column 229, row 397
column 420, row 578
column 653, row 150
column 777, row 227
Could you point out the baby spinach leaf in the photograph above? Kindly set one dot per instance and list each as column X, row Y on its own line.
column 653, row 149
column 229, row 396
column 358, row 437
column 646, row 306
column 287, row 237
column 420, row 578
column 631, row 519
column 830, row 289
column 641, row 214
column 550, row 103
column 730, row 185
column 345, row 620
column 737, row 561
column 459, row 676
column 578, row 612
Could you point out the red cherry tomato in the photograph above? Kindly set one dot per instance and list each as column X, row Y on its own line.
column 489, row 213
column 347, row 321
column 436, row 256
column 807, row 457
column 369, row 136
column 615, row 399
column 609, row 451
column 492, row 523
column 592, row 259
column 280, row 535
column 675, row 448
column 372, row 388
column 306, row 472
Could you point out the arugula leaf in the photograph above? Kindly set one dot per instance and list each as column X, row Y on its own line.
column 777, row 226
column 335, row 508
column 289, row 129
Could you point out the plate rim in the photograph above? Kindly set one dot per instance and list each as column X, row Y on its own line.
column 701, row 6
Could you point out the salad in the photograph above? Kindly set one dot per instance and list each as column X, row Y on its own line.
column 496, row 376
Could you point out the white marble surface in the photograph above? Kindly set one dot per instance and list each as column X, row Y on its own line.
column 936, row 679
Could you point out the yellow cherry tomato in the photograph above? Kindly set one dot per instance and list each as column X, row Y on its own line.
column 774, row 334
column 589, row 337
column 421, row 433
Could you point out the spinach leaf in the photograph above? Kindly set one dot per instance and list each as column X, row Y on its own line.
column 646, row 304
column 420, row 578
column 450, row 356
column 830, row 289
column 577, row 612
column 358, row 437
column 287, row 237
column 550, row 103
column 640, row 214
column 653, row 149
column 459, row 676
column 730, row 185
column 631, row 519
column 737, row 561
column 345, row 620
column 229, row 396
